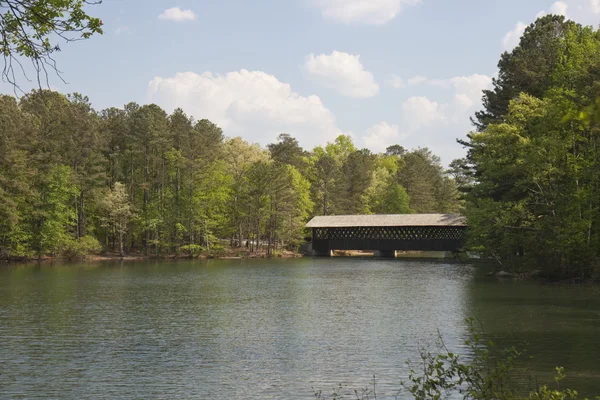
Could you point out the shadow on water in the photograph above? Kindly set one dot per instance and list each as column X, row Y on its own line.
column 556, row 326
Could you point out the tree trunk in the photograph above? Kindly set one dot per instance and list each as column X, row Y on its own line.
column 146, row 200
column 325, row 199
column 77, row 236
column 258, row 233
column 81, row 231
column 206, row 236
column 121, row 252
column 191, row 220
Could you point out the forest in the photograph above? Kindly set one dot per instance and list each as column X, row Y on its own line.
column 134, row 180
column 531, row 177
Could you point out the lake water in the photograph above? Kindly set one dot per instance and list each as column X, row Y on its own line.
column 263, row 329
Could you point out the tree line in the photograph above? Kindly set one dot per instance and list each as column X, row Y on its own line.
column 75, row 181
column 531, row 177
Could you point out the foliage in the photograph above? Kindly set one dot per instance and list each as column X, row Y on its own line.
column 54, row 216
column 80, row 249
column 139, row 180
column 193, row 250
column 486, row 375
column 531, row 174
column 29, row 27
column 341, row 393
column 349, row 181
column 118, row 211
column 530, row 68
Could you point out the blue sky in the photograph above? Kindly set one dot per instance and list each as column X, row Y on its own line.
column 406, row 72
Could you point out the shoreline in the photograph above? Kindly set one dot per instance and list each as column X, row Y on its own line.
column 142, row 257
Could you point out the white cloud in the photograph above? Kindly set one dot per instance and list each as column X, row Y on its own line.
column 416, row 80
column 251, row 104
column 122, row 30
column 559, row 8
column 362, row 11
column 177, row 14
column 396, row 82
column 380, row 136
column 583, row 11
column 342, row 72
column 419, row 111
column 436, row 124
column 467, row 89
column 511, row 39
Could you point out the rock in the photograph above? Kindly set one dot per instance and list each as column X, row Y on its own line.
column 501, row 274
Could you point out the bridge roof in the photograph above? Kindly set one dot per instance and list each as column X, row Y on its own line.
column 344, row 221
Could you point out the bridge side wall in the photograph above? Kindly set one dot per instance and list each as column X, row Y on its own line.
column 324, row 246
column 402, row 238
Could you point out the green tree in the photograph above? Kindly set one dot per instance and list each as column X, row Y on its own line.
column 70, row 178
column 535, row 192
column 289, row 205
column 118, row 212
column 528, row 68
column 322, row 173
column 240, row 157
column 148, row 144
column 461, row 173
column 353, row 182
column 534, row 166
column 288, row 151
column 85, row 156
column 33, row 29
column 15, row 178
column 340, row 176
column 203, row 174
column 396, row 201
column 54, row 220
column 428, row 186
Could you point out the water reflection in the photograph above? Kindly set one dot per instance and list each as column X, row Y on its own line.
column 264, row 329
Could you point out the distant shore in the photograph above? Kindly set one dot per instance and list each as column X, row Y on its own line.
column 229, row 255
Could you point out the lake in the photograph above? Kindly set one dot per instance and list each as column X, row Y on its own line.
column 271, row 329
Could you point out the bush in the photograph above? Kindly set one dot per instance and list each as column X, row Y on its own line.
column 80, row 249
column 217, row 250
column 193, row 250
column 443, row 375
column 485, row 377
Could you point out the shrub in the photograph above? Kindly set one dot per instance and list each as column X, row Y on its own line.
column 80, row 249
column 443, row 375
column 193, row 250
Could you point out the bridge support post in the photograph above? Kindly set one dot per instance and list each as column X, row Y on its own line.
column 384, row 253
column 326, row 253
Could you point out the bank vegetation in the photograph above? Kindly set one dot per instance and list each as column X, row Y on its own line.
column 138, row 181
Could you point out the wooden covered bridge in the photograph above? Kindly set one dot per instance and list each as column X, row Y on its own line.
column 385, row 234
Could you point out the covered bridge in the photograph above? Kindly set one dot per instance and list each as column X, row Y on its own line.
column 384, row 234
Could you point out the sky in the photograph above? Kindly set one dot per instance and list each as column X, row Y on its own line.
column 386, row 72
